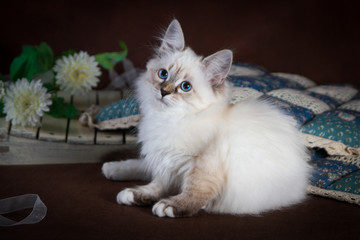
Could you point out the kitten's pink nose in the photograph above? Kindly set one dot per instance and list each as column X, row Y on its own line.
column 164, row 92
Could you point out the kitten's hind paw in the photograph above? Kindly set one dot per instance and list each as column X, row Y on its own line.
column 174, row 207
column 125, row 197
column 161, row 209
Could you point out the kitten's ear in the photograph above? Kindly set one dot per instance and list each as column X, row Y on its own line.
column 173, row 39
column 217, row 66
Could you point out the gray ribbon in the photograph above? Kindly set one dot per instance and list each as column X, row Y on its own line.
column 13, row 204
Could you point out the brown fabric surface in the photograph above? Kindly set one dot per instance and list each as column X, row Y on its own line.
column 81, row 205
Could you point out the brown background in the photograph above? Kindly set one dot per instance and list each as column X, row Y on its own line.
column 318, row 39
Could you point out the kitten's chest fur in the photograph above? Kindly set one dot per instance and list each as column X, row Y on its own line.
column 177, row 131
column 161, row 132
column 171, row 140
column 162, row 151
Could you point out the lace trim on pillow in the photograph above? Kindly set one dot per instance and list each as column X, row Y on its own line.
column 352, row 105
column 331, row 147
column 303, row 81
column 301, row 99
column 125, row 122
column 86, row 119
column 239, row 94
column 340, row 93
column 342, row 196
column 353, row 160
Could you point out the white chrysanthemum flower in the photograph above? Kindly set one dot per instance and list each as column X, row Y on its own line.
column 77, row 73
column 25, row 102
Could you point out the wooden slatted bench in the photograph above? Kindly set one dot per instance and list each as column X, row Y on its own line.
column 61, row 140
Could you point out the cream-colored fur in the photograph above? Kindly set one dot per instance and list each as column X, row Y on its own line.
column 201, row 152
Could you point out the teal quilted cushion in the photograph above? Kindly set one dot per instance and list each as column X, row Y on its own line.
column 338, row 125
column 124, row 113
column 123, row 108
column 349, row 183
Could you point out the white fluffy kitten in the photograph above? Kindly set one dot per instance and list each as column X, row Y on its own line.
column 201, row 152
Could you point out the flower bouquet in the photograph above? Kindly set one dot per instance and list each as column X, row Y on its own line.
column 36, row 77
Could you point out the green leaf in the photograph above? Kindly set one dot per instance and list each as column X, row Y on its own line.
column 33, row 60
column 61, row 109
column 2, row 109
column 107, row 60
column 50, row 87
column 45, row 57
column 18, row 67
column 67, row 53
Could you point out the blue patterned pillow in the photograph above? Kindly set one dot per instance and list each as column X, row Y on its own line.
column 357, row 96
column 243, row 68
column 336, row 177
column 124, row 113
column 340, row 92
column 328, row 171
column 300, row 114
column 328, row 100
column 337, row 125
column 264, row 83
column 349, row 184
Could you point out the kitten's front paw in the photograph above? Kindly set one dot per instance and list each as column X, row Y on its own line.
column 163, row 209
column 108, row 170
column 125, row 197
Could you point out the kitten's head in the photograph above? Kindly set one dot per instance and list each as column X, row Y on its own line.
column 177, row 77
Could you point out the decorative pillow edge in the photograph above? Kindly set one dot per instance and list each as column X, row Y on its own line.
column 341, row 196
column 353, row 160
column 331, row 147
column 86, row 119
column 124, row 122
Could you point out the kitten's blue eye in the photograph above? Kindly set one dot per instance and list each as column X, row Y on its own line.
column 185, row 86
column 163, row 74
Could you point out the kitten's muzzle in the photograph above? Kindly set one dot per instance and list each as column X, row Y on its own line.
column 164, row 92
